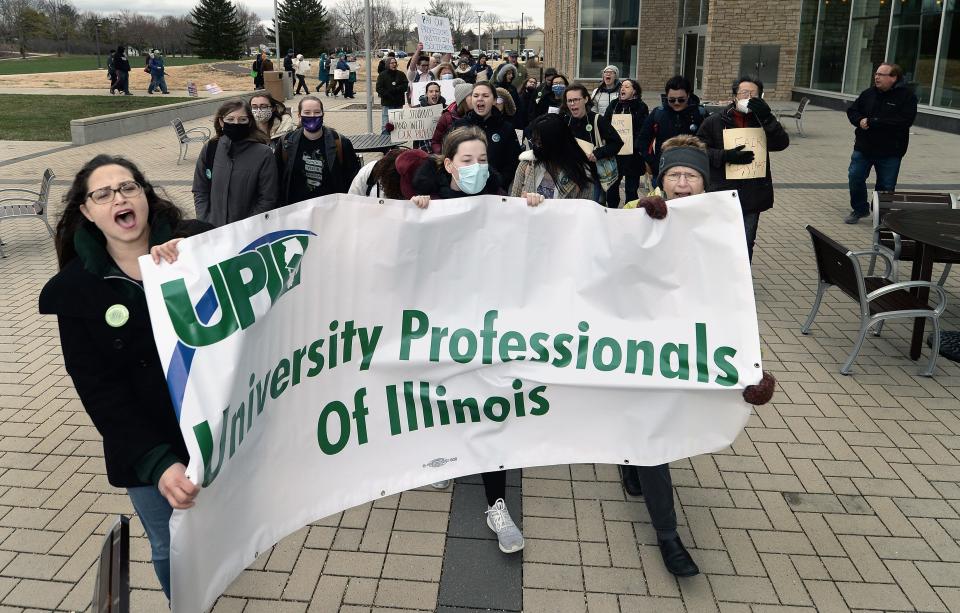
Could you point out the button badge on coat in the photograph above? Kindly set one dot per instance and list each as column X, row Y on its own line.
column 495, row 138
column 117, row 315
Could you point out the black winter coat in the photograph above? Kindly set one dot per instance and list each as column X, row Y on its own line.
column 116, row 370
column 756, row 195
column 631, row 165
column 503, row 148
column 434, row 181
column 392, row 88
column 889, row 116
column 664, row 123
column 583, row 129
column 343, row 166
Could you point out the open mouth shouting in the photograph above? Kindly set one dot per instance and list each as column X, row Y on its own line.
column 125, row 217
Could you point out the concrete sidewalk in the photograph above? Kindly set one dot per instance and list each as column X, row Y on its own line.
column 841, row 494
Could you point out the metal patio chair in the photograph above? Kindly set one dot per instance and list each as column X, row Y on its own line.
column 880, row 298
column 111, row 590
column 18, row 202
column 193, row 135
column 797, row 115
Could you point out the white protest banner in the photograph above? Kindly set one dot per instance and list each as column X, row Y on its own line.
column 416, row 123
column 342, row 349
column 435, row 33
column 753, row 139
column 420, row 88
column 623, row 124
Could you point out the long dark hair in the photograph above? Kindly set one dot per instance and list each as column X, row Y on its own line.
column 560, row 151
column 72, row 217
column 233, row 105
column 279, row 110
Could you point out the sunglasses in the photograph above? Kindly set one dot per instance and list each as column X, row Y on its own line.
column 676, row 100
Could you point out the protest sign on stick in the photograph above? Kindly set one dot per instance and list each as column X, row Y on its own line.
column 435, row 33
column 753, row 139
column 416, row 123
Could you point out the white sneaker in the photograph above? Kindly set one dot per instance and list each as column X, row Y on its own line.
column 508, row 535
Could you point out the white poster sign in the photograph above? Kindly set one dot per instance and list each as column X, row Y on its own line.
column 420, row 88
column 342, row 349
column 416, row 123
column 435, row 33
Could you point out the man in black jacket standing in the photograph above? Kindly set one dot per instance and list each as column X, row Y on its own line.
column 882, row 116
column 746, row 110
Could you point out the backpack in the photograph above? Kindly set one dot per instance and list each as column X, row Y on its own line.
column 285, row 157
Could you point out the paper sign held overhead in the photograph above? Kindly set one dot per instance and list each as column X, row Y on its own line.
column 416, row 123
column 623, row 124
column 753, row 139
column 435, row 33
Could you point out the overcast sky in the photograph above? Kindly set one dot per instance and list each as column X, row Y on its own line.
column 509, row 10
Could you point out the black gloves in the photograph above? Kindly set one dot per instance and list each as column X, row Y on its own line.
column 760, row 108
column 737, row 155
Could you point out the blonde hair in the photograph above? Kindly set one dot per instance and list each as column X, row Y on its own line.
column 455, row 138
column 684, row 140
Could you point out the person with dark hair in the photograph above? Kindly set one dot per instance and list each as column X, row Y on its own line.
column 236, row 174
column 272, row 117
column 382, row 64
column 555, row 166
column 314, row 160
column 288, row 66
column 112, row 72
column 112, row 215
column 457, row 110
column 550, row 97
column 121, row 66
column 594, row 132
column 432, row 95
column 680, row 113
column 882, row 115
column 380, row 178
column 258, row 69
column 629, row 167
column 464, row 70
column 528, row 100
column 483, row 71
column 392, row 89
column 507, row 79
column 746, row 110
column 503, row 147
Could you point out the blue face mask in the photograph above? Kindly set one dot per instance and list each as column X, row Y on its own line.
column 558, row 90
column 446, row 76
column 312, row 124
column 473, row 178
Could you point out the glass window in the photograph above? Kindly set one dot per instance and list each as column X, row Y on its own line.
column 593, row 52
column 704, row 11
column 867, row 45
column 947, row 90
column 623, row 51
column 831, row 45
column 808, row 36
column 625, row 14
column 594, row 13
column 689, row 13
column 913, row 42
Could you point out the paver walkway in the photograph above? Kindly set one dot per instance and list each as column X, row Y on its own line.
column 843, row 493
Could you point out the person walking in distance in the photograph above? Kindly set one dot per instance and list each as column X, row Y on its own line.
column 121, row 65
column 882, row 116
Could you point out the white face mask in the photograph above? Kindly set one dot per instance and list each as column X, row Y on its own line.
column 742, row 106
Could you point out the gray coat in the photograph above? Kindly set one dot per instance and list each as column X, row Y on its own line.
column 243, row 182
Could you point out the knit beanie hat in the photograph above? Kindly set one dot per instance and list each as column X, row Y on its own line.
column 613, row 69
column 461, row 91
column 691, row 157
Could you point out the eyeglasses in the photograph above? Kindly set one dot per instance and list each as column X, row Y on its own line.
column 106, row 195
column 236, row 120
column 745, row 93
column 883, row 74
column 674, row 177
column 570, row 100
column 676, row 100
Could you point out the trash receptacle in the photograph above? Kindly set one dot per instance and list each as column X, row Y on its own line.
column 273, row 82
column 287, row 86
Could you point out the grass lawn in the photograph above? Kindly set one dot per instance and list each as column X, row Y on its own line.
column 47, row 117
column 69, row 63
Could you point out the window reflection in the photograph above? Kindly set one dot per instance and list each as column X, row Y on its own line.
column 913, row 42
column 831, row 45
column 947, row 90
column 867, row 44
column 808, row 36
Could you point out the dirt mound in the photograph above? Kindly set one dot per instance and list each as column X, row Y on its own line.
column 177, row 78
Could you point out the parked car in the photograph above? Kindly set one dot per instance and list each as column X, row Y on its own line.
column 493, row 54
column 475, row 53
column 528, row 53
column 383, row 52
column 401, row 54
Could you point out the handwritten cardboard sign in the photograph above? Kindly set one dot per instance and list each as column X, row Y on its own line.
column 435, row 33
column 753, row 139
column 420, row 88
column 585, row 145
column 416, row 123
column 623, row 124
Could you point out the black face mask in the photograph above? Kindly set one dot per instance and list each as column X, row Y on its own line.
column 236, row 131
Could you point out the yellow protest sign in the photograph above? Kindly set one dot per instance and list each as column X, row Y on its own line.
column 623, row 124
column 753, row 139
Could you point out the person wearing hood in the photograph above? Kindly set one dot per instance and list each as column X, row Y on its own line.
column 592, row 130
column 288, row 66
column 609, row 90
column 121, row 66
column 235, row 176
column 302, row 68
column 465, row 71
column 314, row 160
column 392, row 89
column 513, row 59
column 483, row 70
column 630, row 167
column 503, row 148
column 505, row 105
column 550, row 97
column 323, row 74
column 746, row 110
column 458, row 109
column 882, row 115
column 555, row 166
column 508, row 80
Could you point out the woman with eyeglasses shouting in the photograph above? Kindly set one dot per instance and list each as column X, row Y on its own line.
column 680, row 114
column 236, row 174
column 112, row 216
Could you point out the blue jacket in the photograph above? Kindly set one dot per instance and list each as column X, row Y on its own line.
column 156, row 66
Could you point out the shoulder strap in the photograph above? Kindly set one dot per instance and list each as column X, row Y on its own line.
column 339, row 146
column 210, row 155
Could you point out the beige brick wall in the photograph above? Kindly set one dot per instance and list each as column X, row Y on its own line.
column 560, row 36
column 658, row 43
column 733, row 23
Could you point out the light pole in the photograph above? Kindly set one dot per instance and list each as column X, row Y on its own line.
column 520, row 36
column 98, row 24
column 276, row 29
column 479, row 46
column 368, row 26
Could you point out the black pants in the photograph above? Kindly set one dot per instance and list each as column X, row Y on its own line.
column 658, row 495
column 495, row 486
column 302, row 82
column 339, row 86
column 349, row 87
column 630, row 188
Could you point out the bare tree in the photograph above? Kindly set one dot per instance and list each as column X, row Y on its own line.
column 61, row 22
column 462, row 16
column 22, row 21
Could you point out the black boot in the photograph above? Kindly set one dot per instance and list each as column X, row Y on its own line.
column 631, row 480
column 677, row 559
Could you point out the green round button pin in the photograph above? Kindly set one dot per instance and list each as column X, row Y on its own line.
column 117, row 315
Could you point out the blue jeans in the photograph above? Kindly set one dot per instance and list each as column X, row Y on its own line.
column 750, row 223
column 155, row 512
column 887, row 168
column 158, row 83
